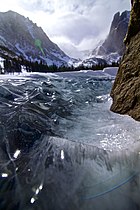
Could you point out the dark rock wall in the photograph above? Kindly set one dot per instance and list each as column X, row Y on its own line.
column 114, row 41
column 126, row 88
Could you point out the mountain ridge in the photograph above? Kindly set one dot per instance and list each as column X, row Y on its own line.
column 23, row 37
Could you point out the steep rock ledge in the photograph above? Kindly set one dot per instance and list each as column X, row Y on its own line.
column 126, row 89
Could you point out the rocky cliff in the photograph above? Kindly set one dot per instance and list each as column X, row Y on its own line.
column 114, row 41
column 112, row 48
column 126, row 89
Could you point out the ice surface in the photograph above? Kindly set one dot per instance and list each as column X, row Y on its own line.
column 111, row 70
column 62, row 148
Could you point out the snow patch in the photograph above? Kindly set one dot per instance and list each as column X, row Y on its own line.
column 30, row 29
column 21, row 50
column 2, row 63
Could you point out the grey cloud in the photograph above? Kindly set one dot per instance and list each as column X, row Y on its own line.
column 79, row 21
column 93, row 25
column 37, row 5
column 54, row 5
column 75, row 27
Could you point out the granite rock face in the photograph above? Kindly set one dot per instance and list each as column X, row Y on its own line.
column 114, row 41
column 112, row 48
column 126, row 89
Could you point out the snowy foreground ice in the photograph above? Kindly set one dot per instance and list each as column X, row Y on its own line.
column 62, row 149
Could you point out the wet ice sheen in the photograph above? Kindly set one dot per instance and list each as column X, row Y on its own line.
column 62, row 149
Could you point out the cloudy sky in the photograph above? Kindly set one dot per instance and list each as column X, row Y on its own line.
column 75, row 25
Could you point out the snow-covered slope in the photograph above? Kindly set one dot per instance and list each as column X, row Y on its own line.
column 24, row 38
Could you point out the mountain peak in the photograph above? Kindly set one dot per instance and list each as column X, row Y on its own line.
column 112, row 48
column 119, row 17
column 114, row 41
column 26, row 39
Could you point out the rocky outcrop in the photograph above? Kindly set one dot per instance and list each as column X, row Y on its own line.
column 126, row 88
column 114, row 41
column 112, row 48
